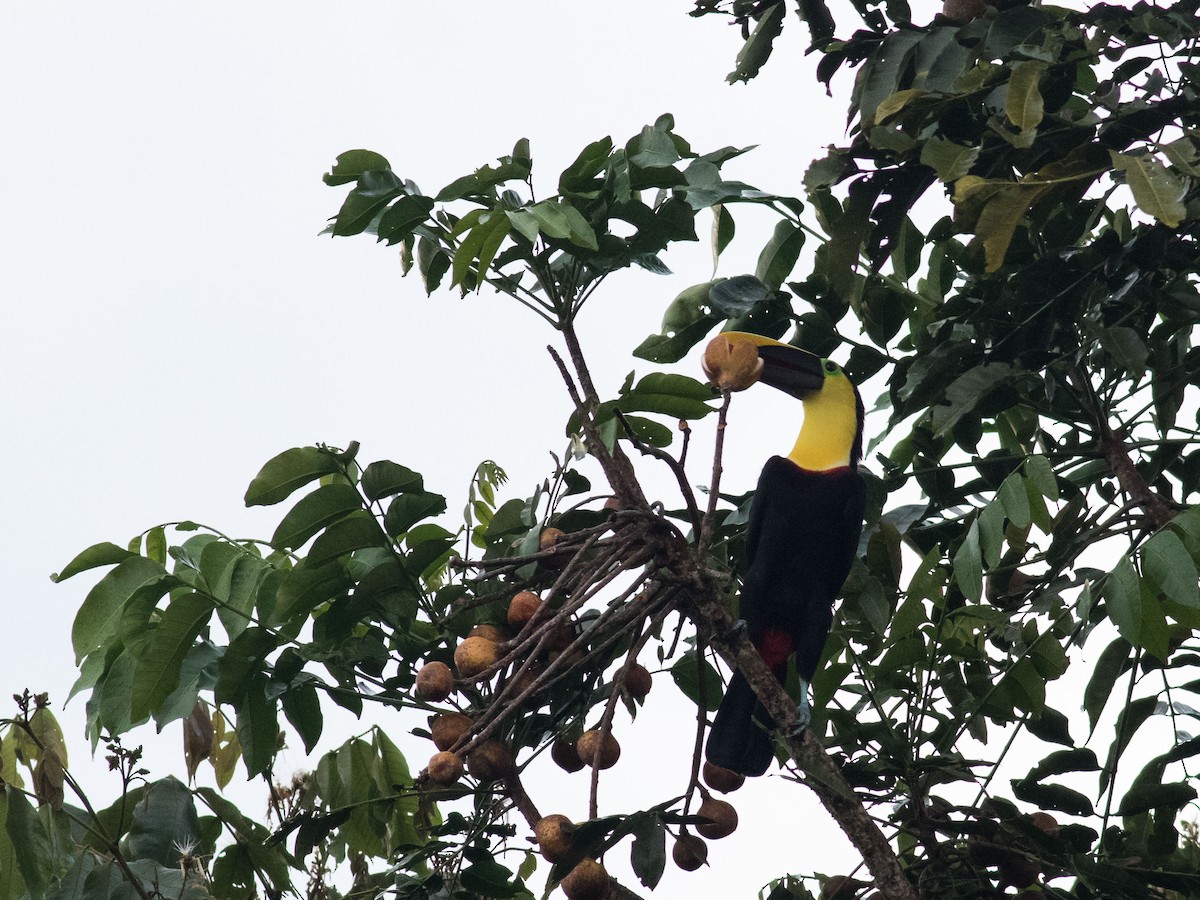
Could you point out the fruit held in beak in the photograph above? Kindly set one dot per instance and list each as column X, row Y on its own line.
column 732, row 364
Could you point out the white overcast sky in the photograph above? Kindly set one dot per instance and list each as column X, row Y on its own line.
column 171, row 318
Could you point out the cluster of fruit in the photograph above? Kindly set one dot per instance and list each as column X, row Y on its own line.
column 456, row 735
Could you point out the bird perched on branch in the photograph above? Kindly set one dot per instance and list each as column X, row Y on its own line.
column 802, row 536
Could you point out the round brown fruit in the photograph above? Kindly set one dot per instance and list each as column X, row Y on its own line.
column 563, row 753
column 553, row 835
column 447, row 728
column 689, row 852
column 638, row 681
column 522, row 608
column 724, row 780
column 549, row 540
column 435, row 682
column 491, row 632
column 731, row 363
column 1019, row 871
column 474, row 655
column 445, row 767
column 597, row 750
column 491, row 760
column 587, row 881
column 1046, row 822
column 561, row 636
column 964, row 10
column 724, row 819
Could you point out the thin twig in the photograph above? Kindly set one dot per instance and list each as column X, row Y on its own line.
column 714, row 491
column 675, row 465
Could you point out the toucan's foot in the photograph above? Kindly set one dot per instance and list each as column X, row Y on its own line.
column 803, row 711
column 738, row 629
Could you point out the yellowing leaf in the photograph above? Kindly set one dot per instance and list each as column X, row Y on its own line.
column 1023, row 105
column 1155, row 190
column 893, row 103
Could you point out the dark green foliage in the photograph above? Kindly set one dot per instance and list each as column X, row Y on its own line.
column 1032, row 478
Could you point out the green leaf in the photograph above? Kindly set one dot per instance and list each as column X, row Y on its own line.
column 31, row 843
column 1051, row 726
column 1126, row 348
column 355, row 532
column 1015, row 500
column 1132, row 716
column 995, row 208
column 662, row 348
column 315, row 511
column 723, row 231
column 1168, row 565
column 257, row 727
column 1123, row 596
column 385, row 478
column 1053, row 796
column 552, row 219
column 101, row 611
column 366, row 201
column 479, row 248
column 650, row 432
column 1172, row 797
column 408, row 509
column 580, row 176
column 104, row 554
column 11, row 882
column 949, row 160
column 737, row 296
column 648, row 855
column 967, row 391
column 677, row 396
column 427, row 544
column 302, row 706
column 779, row 256
column 353, row 163
column 968, row 565
column 242, row 661
column 163, row 821
column 248, row 577
column 156, row 544
column 1038, row 470
column 695, row 678
column 288, row 472
column 1023, row 104
column 758, row 45
column 399, row 219
column 652, row 148
column 433, row 263
column 1079, row 759
column 156, row 674
column 195, row 673
column 306, row 587
column 1156, row 191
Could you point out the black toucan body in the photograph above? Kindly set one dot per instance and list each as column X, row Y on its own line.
column 802, row 536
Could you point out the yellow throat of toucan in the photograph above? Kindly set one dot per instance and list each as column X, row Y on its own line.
column 831, row 435
column 830, row 429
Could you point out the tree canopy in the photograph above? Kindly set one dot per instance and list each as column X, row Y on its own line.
column 1032, row 473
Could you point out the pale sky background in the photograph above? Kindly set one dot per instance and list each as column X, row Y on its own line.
column 171, row 318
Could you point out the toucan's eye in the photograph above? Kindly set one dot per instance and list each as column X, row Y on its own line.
column 830, row 366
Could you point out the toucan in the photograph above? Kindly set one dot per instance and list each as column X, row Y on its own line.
column 801, row 537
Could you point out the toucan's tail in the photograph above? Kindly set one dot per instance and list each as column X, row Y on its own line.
column 740, row 738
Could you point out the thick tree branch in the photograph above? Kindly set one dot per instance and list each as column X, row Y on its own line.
column 703, row 605
column 835, row 793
